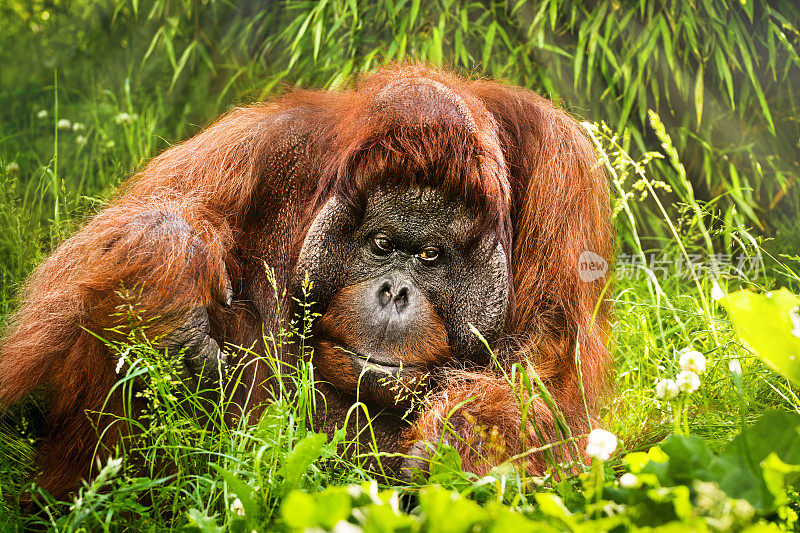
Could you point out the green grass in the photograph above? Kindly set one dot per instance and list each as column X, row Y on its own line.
column 193, row 471
column 187, row 465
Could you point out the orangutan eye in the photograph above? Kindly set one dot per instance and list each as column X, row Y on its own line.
column 381, row 244
column 429, row 254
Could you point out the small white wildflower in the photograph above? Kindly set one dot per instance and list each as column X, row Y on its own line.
column 628, row 480
column 77, row 504
column 734, row 366
column 716, row 291
column 120, row 362
column 12, row 168
column 666, row 389
column 64, row 124
column 601, row 444
column 78, row 126
column 110, row 144
column 794, row 316
column 692, row 360
column 687, row 381
column 42, row 114
column 237, row 507
column 343, row 526
column 80, row 140
column 122, row 118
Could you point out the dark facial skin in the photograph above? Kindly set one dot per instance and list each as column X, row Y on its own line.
column 398, row 287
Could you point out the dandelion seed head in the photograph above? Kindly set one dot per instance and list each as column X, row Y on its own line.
column 687, row 381
column 601, row 444
column 692, row 360
column 667, row 389
column 628, row 480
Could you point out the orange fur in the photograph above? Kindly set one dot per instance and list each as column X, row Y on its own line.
column 248, row 187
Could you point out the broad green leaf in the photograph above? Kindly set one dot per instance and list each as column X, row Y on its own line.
column 242, row 490
column 447, row 512
column 203, row 522
column 769, row 323
column 300, row 458
column 299, row 510
column 552, row 506
column 332, row 506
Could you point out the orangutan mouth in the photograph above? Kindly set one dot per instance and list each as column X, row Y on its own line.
column 375, row 363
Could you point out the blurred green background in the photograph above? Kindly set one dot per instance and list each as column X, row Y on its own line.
column 90, row 91
column 723, row 75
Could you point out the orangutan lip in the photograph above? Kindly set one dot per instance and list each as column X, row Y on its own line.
column 366, row 360
column 369, row 361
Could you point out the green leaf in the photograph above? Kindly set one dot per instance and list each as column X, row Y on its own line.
column 412, row 17
column 756, row 468
column 552, row 506
column 299, row 510
column 300, row 458
column 203, row 522
column 769, row 323
column 332, row 506
column 447, row 512
column 698, row 95
column 182, row 63
column 489, row 43
column 242, row 490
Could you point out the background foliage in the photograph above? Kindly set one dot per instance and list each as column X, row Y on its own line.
column 723, row 75
column 700, row 142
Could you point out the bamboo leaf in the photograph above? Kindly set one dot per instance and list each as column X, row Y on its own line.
column 721, row 63
column 317, row 34
column 698, row 95
column 412, row 17
column 756, row 85
column 489, row 43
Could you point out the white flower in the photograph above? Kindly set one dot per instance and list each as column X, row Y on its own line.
column 734, row 366
column 794, row 316
column 666, row 389
column 687, row 381
column 237, row 507
column 80, row 140
column 716, row 291
column 692, row 360
column 601, row 444
column 343, row 526
column 42, row 114
column 12, row 168
column 123, row 118
column 628, row 480
column 64, row 124
column 78, row 126
column 110, row 144
column 119, row 364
